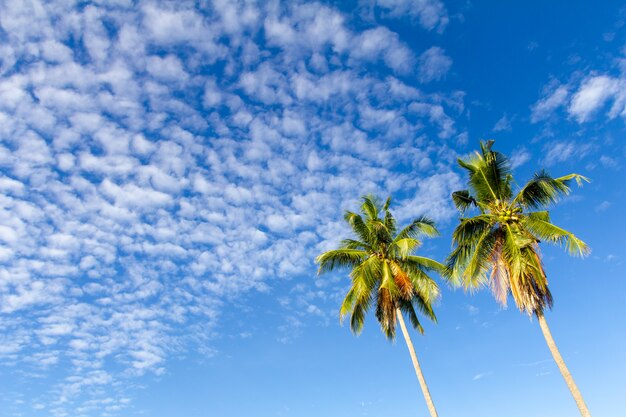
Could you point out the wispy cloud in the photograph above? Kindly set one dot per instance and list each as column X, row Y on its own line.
column 431, row 14
column 561, row 151
column 584, row 98
column 503, row 124
column 434, row 64
column 481, row 375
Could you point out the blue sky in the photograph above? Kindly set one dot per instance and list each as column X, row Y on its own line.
column 169, row 171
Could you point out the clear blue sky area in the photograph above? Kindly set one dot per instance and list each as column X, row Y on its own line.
column 170, row 170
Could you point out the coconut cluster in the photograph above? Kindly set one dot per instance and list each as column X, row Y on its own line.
column 505, row 212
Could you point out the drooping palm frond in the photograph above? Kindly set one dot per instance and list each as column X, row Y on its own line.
column 467, row 236
column 357, row 318
column 538, row 223
column 386, row 312
column 407, row 308
column 543, row 190
column 463, row 200
column 478, row 263
column 340, row 258
column 359, row 227
column 470, row 229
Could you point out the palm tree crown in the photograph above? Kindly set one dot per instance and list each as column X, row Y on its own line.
column 503, row 237
column 384, row 269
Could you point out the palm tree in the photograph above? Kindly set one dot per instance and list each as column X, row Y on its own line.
column 499, row 246
column 385, row 272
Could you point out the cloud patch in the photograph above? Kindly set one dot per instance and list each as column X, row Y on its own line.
column 159, row 166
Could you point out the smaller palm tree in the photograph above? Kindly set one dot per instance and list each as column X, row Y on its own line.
column 500, row 244
column 386, row 273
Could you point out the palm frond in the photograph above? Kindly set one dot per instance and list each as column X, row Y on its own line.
column 425, row 264
column 424, row 287
column 357, row 319
column 402, row 280
column 359, row 227
column 404, row 247
column 489, row 174
column 407, row 308
column 470, row 229
column 543, row 190
column 421, row 226
column 354, row 244
column 425, row 307
column 479, row 262
column 348, row 303
column 499, row 280
column 538, row 223
column 387, row 281
column 340, row 258
column 386, row 312
column 463, row 200
column 379, row 231
column 370, row 206
column 390, row 222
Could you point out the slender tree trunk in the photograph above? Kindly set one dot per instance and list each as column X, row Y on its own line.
column 561, row 364
column 416, row 364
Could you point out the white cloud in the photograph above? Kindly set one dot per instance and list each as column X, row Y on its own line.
column 434, row 64
column 431, row 14
column 561, row 151
column 168, row 68
column 593, row 93
column 519, row 157
column 502, row 125
column 546, row 106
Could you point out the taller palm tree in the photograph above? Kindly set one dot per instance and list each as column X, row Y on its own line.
column 499, row 246
column 385, row 272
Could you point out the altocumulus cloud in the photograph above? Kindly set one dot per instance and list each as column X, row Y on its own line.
column 157, row 160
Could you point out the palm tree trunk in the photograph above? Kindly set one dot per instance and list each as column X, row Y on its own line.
column 416, row 364
column 561, row 364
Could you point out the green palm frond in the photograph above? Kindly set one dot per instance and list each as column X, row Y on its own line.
column 348, row 303
column 357, row 318
column 353, row 244
column 425, row 264
column 404, row 247
column 470, row 229
column 370, row 206
column 421, row 226
column 407, row 308
column 379, row 231
column 463, row 200
column 388, row 282
column 479, row 262
column 340, row 258
column 489, row 174
column 543, row 190
column 425, row 307
column 359, row 227
column 538, row 223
